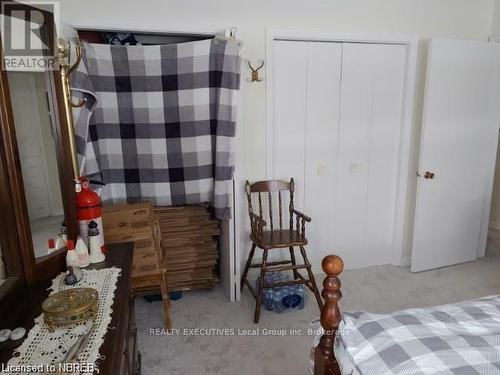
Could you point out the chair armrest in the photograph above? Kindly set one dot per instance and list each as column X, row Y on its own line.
column 260, row 221
column 257, row 224
column 301, row 215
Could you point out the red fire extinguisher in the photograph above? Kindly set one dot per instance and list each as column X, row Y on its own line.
column 89, row 209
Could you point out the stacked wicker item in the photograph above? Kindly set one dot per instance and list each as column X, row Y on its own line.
column 190, row 243
column 139, row 224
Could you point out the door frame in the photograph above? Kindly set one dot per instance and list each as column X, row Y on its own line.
column 406, row 143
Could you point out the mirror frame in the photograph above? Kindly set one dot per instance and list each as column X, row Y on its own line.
column 15, row 231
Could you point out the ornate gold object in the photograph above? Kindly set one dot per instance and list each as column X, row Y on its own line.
column 70, row 306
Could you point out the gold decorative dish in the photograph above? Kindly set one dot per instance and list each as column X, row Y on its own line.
column 70, row 306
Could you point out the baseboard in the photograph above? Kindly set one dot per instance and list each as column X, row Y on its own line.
column 495, row 225
column 405, row 261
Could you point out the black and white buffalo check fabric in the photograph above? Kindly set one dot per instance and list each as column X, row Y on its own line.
column 455, row 339
column 158, row 121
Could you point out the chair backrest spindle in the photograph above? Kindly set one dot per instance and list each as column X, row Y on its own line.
column 270, row 200
column 260, row 206
column 280, row 209
column 270, row 187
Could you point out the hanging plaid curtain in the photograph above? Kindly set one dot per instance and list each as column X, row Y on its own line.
column 158, row 121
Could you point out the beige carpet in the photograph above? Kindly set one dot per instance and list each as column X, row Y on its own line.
column 376, row 289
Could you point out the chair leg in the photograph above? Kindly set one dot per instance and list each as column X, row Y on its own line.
column 247, row 266
column 311, row 278
column 260, row 289
column 292, row 257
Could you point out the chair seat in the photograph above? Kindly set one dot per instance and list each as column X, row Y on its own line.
column 280, row 238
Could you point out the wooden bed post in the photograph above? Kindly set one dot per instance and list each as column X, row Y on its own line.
column 324, row 358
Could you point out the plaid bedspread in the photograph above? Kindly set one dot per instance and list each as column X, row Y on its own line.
column 458, row 339
column 158, row 121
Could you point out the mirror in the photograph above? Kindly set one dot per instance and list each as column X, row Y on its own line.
column 36, row 143
column 36, row 175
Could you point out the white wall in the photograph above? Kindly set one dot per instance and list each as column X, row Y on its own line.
column 495, row 27
column 425, row 18
column 469, row 19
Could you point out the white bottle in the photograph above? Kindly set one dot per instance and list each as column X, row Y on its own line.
column 52, row 246
column 60, row 243
column 71, row 255
column 82, row 252
column 96, row 255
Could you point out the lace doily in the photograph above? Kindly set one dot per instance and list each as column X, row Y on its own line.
column 45, row 347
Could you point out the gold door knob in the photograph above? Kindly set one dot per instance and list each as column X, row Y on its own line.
column 429, row 175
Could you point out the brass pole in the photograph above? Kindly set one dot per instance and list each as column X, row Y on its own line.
column 64, row 70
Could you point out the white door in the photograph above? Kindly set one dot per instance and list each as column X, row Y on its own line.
column 321, row 147
column 458, row 150
column 306, row 95
column 30, row 144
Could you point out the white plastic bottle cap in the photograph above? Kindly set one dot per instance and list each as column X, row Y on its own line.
column 17, row 333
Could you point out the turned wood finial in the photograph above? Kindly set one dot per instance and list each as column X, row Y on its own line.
column 330, row 315
column 332, row 265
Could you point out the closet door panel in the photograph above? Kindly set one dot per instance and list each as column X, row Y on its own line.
column 289, row 86
column 323, row 96
column 387, row 103
column 354, row 149
column 371, row 104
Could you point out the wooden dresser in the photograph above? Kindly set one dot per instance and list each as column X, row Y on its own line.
column 121, row 356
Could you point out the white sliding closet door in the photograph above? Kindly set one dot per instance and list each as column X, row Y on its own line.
column 337, row 115
column 321, row 146
column 306, row 96
column 290, row 77
column 370, row 122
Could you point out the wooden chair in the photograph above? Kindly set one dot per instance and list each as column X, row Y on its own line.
column 289, row 237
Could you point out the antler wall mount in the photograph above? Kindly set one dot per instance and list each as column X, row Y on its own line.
column 255, row 72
